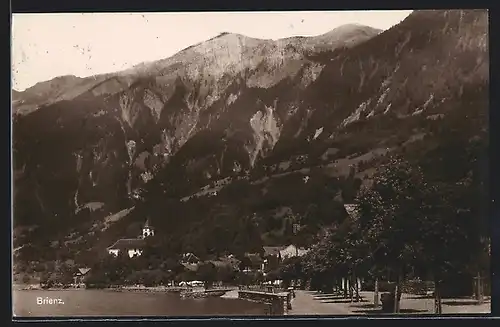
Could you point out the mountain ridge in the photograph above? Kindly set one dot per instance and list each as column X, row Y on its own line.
column 235, row 152
column 136, row 69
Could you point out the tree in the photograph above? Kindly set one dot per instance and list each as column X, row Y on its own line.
column 97, row 279
column 391, row 218
column 245, row 263
column 410, row 224
column 291, row 270
column 207, row 272
column 26, row 279
column 452, row 241
column 225, row 274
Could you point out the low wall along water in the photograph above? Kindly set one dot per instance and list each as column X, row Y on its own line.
column 279, row 303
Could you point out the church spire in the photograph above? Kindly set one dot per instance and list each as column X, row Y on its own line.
column 147, row 230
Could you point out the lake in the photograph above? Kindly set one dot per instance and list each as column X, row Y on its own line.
column 71, row 303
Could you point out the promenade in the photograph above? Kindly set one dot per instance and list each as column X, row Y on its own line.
column 306, row 303
column 314, row 303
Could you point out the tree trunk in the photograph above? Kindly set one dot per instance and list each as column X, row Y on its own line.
column 438, row 308
column 351, row 289
column 397, row 291
column 479, row 289
column 396, row 302
column 376, row 295
column 357, row 290
column 344, row 287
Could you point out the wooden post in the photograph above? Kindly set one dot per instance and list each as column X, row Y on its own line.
column 358, row 298
column 376, row 295
column 438, row 309
column 396, row 298
column 479, row 291
column 397, row 289
column 351, row 289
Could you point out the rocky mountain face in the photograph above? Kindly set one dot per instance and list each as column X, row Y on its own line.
column 242, row 136
column 108, row 125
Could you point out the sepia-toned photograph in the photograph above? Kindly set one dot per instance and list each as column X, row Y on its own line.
column 250, row 164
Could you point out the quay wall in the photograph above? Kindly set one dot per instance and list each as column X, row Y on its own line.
column 279, row 303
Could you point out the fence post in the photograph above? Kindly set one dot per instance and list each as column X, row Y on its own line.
column 376, row 294
column 396, row 290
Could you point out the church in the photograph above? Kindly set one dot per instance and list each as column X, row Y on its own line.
column 132, row 246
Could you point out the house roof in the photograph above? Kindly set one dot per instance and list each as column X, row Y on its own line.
column 128, row 243
column 352, row 210
column 83, row 271
column 301, row 248
column 189, row 256
column 148, row 224
column 230, row 260
column 303, row 251
column 292, row 250
column 225, row 261
column 219, row 263
column 190, row 266
column 254, row 258
column 272, row 250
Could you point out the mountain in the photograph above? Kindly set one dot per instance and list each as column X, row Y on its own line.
column 230, row 142
column 227, row 53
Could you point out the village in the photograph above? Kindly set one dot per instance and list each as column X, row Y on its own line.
column 268, row 261
column 259, row 268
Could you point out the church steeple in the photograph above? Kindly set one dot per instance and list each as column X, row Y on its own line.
column 147, row 230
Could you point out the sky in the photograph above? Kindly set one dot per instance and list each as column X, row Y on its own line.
column 45, row 46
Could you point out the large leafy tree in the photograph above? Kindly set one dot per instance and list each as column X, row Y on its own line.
column 411, row 224
column 207, row 272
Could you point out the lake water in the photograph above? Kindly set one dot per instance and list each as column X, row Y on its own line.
column 71, row 303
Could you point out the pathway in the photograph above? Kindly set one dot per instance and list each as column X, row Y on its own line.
column 307, row 303
column 314, row 303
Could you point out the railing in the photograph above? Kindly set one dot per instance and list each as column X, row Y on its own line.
column 278, row 303
column 262, row 288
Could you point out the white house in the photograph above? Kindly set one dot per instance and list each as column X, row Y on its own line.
column 132, row 246
column 190, row 258
column 292, row 251
column 352, row 210
column 80, row 275
column 280, row 253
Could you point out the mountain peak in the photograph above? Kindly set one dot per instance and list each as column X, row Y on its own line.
column 225, row 33
column 234, row 37
column 343, row 30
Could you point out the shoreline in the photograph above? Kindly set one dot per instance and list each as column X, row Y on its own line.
column 115, row 289
column 135, row 288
